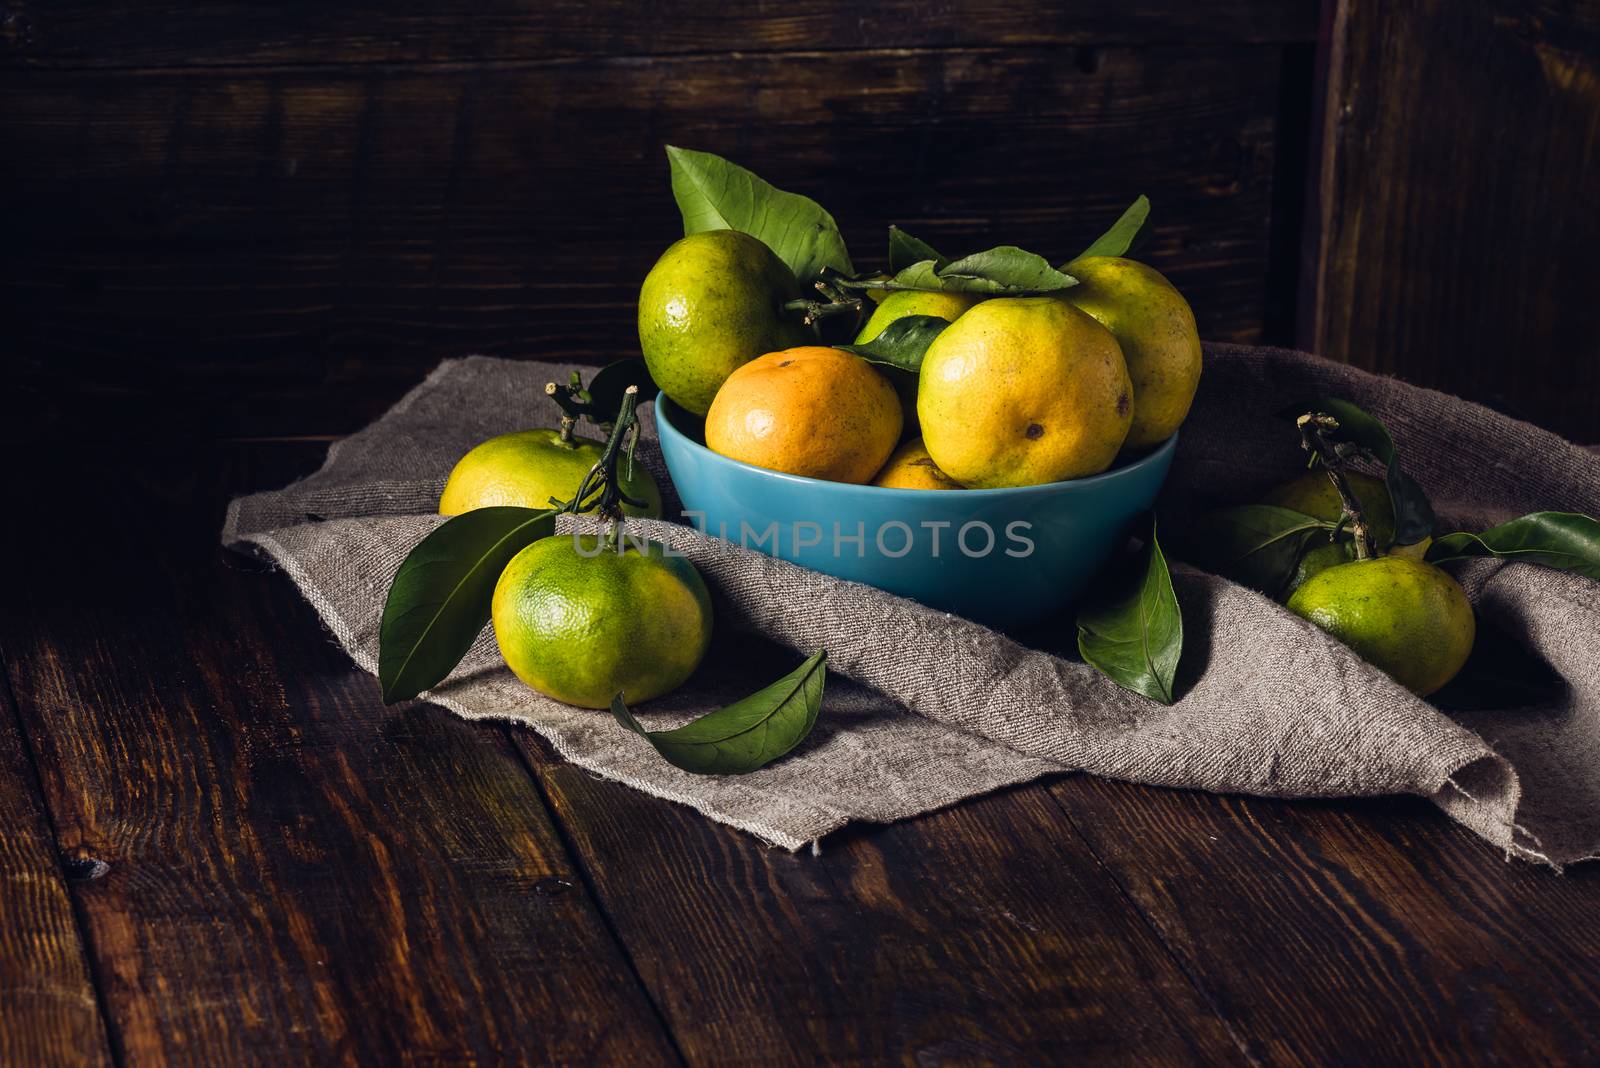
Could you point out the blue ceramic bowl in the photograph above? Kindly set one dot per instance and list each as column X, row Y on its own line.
column 1005, row 557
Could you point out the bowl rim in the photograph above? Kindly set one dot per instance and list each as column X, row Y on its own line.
column 665, row 427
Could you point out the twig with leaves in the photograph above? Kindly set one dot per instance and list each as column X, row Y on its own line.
column 601, row 490
column 1315, row 430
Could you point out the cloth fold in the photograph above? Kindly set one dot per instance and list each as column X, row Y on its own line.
column 924, row 709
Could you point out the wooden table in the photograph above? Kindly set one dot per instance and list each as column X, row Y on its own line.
column 218, row 847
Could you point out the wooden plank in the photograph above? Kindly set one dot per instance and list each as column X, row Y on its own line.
column 1372, row 932
column 1456, row 242
column 296, row 875
column 984, row 934
column 238, row 249
column 216, row 32
column 48, row 1011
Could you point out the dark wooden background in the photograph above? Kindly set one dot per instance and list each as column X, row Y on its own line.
column 242, row 214
column 232, row 214
column 266, row 221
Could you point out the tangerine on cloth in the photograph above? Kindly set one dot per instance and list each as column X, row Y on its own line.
column 924, row 709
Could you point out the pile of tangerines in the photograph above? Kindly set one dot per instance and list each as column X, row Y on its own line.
column 1017, row 391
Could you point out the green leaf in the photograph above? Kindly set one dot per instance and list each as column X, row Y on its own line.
column 1127, row 235
column 1006, row 271
column 746, row 735
column 1010, row 269
column 924, row 274
column 905, row 250
column 1566, row 541
column 1131, row 630
column 439, row 600
column 902, row 343
column 1413, row 515
column 608, row 384
column 714, row 194
column 1255, row 545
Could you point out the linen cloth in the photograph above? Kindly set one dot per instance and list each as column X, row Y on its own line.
column 923, row 709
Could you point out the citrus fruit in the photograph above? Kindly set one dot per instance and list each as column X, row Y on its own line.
column 1408, row 618
column 810, row 411
column 711, row 303
column 897, row 305
column 910, row 467
column 904, row 302
column 1023, row 390
column 1311, row 493
column 1156, row 329
column 582, row 622
column 529, row 467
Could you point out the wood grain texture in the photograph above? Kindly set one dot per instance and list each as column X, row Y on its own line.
column 84, row 33
column 1360, row 932
column 986, row 934
column 1458, row 186
column 295, row 874
column 48, row 1011
column 245, row 250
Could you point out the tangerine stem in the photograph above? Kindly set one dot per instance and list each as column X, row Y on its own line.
column 889, row 285
column 816, row 310
column 1314, row 428
column 571, row 407
column 601, row 490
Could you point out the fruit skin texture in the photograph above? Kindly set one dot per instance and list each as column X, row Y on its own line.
column 1406, row 617
column 810, row 411
column 912, row 468
column 904, row 302
column 529, row 467
column 1156, row 329
column 898, row 305
column 582, row 630
column 709, row 305
column 1024, row 390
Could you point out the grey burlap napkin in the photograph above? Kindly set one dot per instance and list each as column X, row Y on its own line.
column 924, row 709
